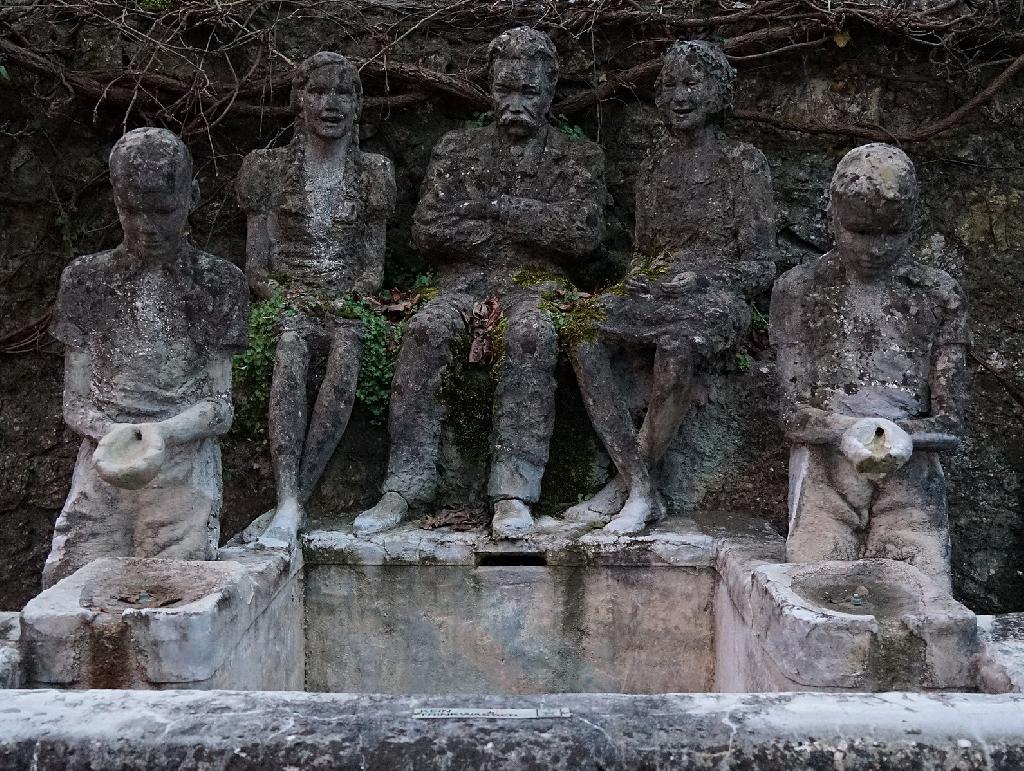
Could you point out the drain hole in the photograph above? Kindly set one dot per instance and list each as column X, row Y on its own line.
column 511, row 559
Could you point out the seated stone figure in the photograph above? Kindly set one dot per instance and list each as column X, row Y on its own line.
column 513, row 195
column 317, row 213
column 871, row 351
column 705, row 240
column 150, row 329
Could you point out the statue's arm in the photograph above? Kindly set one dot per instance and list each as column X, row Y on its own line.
column 79, row 412
column 572, row 226
column 252, row 190
column 381, row 200
column 208, row 417
column 947, row 373
column 446, row 224
column 948, row 386
column 257, row 256
column 753, row 268
column 801, row 422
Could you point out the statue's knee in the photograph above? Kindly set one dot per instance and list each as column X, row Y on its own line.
column 531, row 333
column 434, row 328
column 290, row 345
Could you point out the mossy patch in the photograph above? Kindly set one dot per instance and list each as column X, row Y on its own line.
column 467, row 394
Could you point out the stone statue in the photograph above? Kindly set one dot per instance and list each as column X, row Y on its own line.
column 150, row 329
column 317, row 212
column 871, row 350
column 513, row 195
column 705, row 240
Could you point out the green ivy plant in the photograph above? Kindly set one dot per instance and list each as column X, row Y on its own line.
column 253, row 369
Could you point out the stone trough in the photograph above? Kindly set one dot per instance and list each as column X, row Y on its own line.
column 687, row 607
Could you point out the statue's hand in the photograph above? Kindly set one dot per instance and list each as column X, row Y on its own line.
column 876, row 446
column 130, row 454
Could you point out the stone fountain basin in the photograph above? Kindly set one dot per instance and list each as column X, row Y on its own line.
column 909, row 634
column 150, row 623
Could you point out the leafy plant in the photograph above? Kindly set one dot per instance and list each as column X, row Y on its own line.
column 481, row 119
column 744, row 361
column 253, row 369
column 569, row 129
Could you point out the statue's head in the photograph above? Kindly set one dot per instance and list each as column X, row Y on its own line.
column 327, row 96
column 695, row 85
column 872, row 205
column 523, row 67
column 151, row 173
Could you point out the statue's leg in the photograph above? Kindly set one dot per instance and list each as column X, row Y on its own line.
column 95, row 522
column 670, row 394
column 414, row 420
column 909, row 521
column 829, row 504
column 524, row 416
column 287, row 422
column 333, row 405
column 614, row 425
column 670, row 397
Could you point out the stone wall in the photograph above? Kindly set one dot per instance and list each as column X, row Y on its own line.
column 54, row 204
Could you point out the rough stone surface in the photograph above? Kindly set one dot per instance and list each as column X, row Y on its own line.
column 514, row 195
column 317, row 213
column 220, row 730
column 872, row 360
column 705, row 245
column 149, row 329
column 151, row 623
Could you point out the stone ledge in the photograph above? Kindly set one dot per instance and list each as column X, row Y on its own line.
column 675, row 542
column 769, row 732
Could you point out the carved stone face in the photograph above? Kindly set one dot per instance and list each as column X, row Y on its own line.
column 688, row 96
column 153, row 218
column 522, row 92
column 330, row 103
column 870, row 251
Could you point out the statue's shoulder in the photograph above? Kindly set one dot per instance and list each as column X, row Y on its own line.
column 90, row 269
column 744, row 155
column 463, row 140
column 222, row 312
column 376, row 165
column 799, row 281
column 937, row 283
column 581, row 149
column 219, row 273
column 258, row 171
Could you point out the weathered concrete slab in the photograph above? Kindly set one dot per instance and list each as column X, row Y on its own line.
column 154, row 623
column 770, row 732
column 435, row 611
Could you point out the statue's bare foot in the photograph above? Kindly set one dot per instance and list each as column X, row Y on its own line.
column 385, row 515
column 283, row 531
column 602, row 507
column 640, row 508
column 512, row 519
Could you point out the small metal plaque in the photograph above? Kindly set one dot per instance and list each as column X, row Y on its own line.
column 456, row 713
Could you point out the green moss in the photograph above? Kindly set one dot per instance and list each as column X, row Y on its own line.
column 252, row 370
column 467, row 394
column 535, row 275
